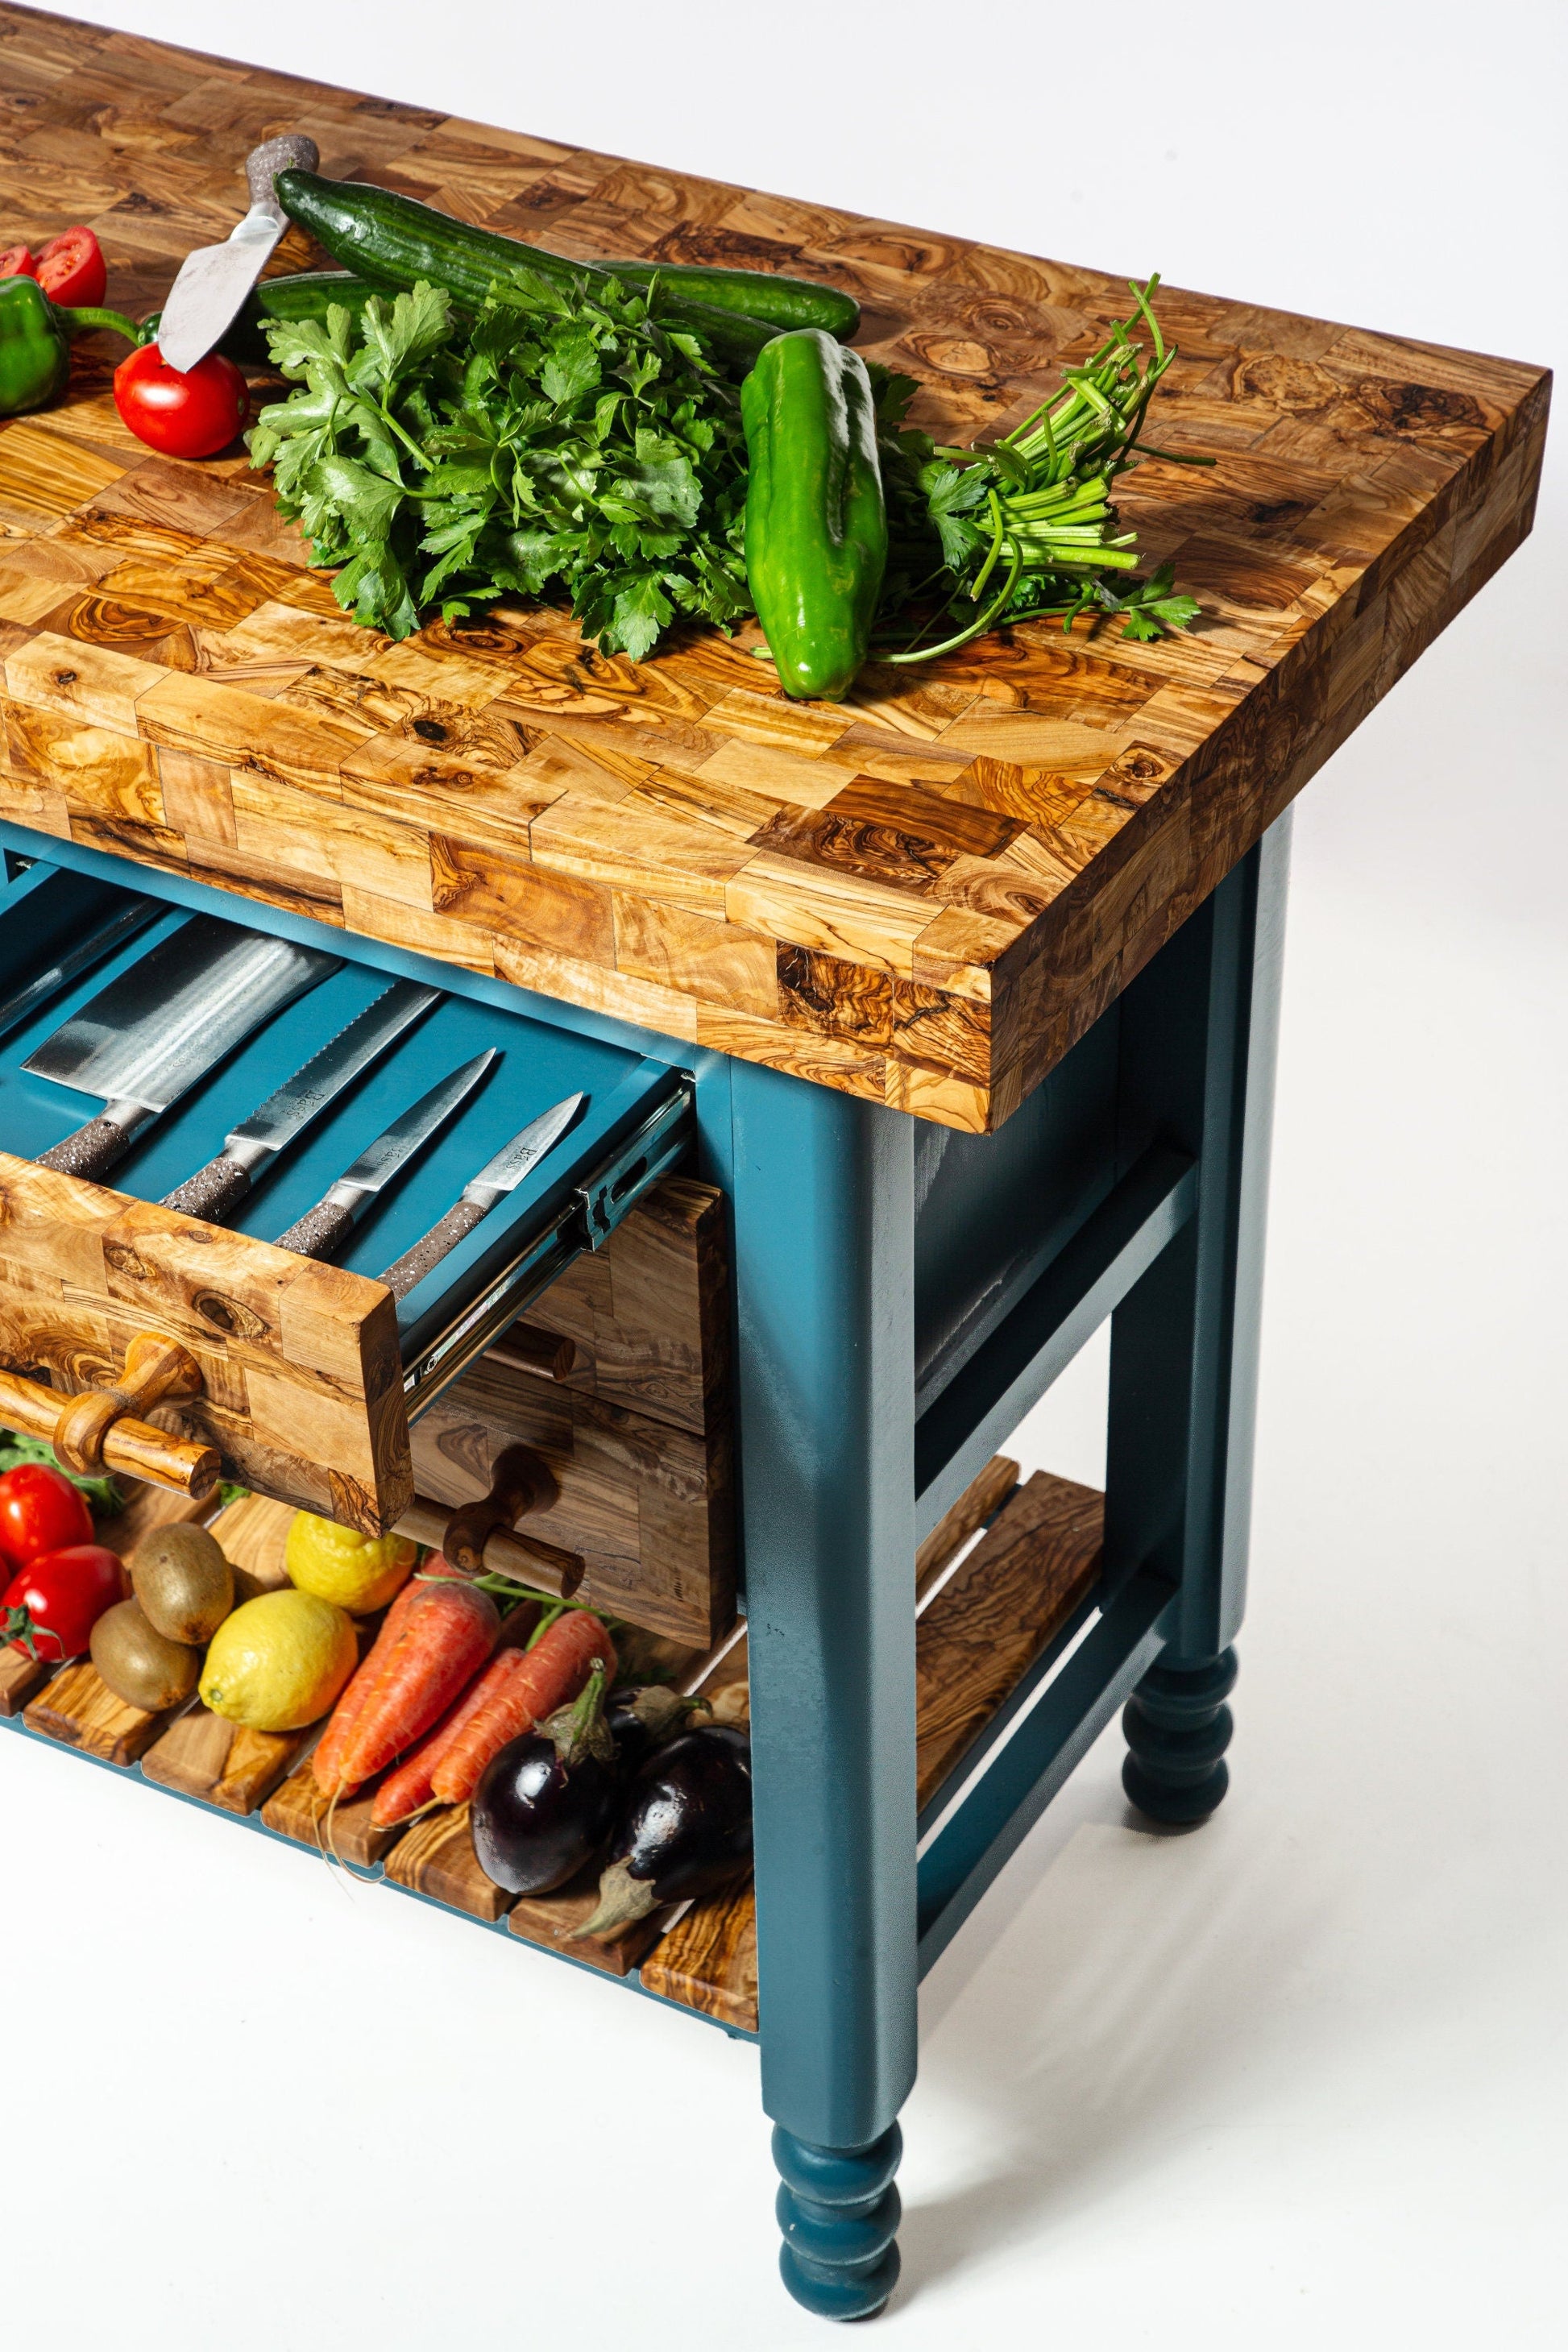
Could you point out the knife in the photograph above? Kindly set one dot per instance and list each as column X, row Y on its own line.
column 205, row 298
column 163, row 1024
column 499, row 1177
column 90, row 949
column 216, row 1189
column 319, row 1231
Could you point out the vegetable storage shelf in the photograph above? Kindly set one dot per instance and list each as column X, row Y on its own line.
column 961, row 992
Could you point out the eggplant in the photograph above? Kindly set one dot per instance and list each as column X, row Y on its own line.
column 685, row 1829
column 641, row 1719
column 545, row 1805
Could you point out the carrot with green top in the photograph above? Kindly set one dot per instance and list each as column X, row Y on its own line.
column 444, row 1637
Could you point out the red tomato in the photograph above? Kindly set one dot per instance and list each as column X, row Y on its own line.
column 39, row 1511
column 17, row 262
column 60, row 1596
column 70, row 269
column 190, row 415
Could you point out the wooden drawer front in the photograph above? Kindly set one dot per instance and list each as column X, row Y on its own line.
column 638, row 1433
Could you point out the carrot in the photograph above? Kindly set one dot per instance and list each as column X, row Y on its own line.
column 328, row 1757
column 409, row 1791
column 449, row 1630
column 521, row 1686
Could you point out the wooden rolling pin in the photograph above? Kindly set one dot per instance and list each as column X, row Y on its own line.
column 99, row 1430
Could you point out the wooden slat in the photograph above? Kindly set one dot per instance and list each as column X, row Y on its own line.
column 979, row 1500
column 298, row 1810
column 437, row 1857
column 986, row 1627
column 549, row 1920
column 80, row 1710
column 923, row 895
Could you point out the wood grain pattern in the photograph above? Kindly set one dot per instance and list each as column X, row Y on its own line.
column 302, row 1376
column 437, row 1857
column 78, row 1708
column 974, row 1642
column 638, row 1434
column 923, row 896
column 298, row 1810
column 979, row 1501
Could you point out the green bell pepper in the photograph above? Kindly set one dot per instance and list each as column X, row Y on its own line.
column 817, row 522
column 34, row 351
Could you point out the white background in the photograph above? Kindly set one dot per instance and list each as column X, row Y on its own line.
column 1296, row 2080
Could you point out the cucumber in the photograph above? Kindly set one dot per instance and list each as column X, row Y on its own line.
column 780, row 302
column 382, row 236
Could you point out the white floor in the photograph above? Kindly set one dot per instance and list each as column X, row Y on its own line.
column 1295, row 2080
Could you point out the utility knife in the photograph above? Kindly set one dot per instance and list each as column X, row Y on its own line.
column 499, row 1177
column 323, row 1229
column 205, row 297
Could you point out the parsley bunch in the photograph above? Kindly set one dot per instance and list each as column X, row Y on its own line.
column 1023, row 526
column 560, row 440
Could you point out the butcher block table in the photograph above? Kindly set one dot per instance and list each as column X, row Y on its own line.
column 975, row 974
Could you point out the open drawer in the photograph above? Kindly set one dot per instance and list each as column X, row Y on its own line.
column 312, row 1373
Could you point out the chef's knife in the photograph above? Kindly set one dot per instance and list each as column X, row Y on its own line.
column 133, row 916
column 216, row 1189
column 320, row 1231
column 499, row 1177
column 205, row 298
column 163, row 1024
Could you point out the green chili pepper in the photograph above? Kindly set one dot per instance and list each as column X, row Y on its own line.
column 816, row 524
column 34, row 354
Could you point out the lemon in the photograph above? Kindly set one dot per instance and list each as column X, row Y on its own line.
column 279, row 1662
column 359, row 1573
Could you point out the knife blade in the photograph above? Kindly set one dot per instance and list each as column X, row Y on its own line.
column 163, row 1024
column 216, row 1189
column 206, row 297
column 90, row 949
column 499, row 1177
column 321, row 1230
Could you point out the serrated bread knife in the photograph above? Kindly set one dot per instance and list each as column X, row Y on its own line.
column 215, row 1191
column 205, row 298
column 495, row 1180
column 320, row 1231
column 162, row 1025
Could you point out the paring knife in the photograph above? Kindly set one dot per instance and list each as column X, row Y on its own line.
column 148, row 1036
column 205, row 298
column 90, row 949
column 321, row 1230
column 499, row 1177
column 216, row 1189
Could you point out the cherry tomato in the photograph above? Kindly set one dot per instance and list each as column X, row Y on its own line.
column 17, row 262
column 190, row 415
column 58, row 1599
column 71, row 270
column 39, row 1511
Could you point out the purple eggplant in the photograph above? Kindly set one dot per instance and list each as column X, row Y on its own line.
column 641, row 1719
column 545, row 1805
column 684, row 1831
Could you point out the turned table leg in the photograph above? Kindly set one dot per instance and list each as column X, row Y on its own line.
column 824, row 1221
column 1198, row 1033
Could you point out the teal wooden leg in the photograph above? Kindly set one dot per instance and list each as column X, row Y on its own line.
column 823, row 1195
column 1178, row 1728
column 1198, row 1041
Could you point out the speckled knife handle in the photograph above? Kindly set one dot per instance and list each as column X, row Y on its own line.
column 415, row 1263
column 214, row 1192
column 91, row 1152
column 319, row 1229
column 292, row 153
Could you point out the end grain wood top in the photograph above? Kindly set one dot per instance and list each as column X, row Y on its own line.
column 923, row 896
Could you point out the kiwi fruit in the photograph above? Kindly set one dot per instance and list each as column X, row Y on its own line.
column 139, row 1665
column 183, row 1582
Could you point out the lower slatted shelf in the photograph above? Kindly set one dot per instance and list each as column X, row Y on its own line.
column 982, row 1625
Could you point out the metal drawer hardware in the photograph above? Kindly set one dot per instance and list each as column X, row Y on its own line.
column 481, row 1535
column 101, row 1428
column 587, row 1220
